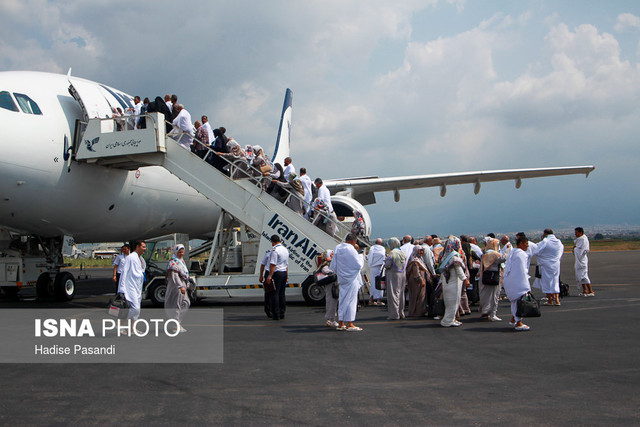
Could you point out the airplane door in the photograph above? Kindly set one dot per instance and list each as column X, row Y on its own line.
column 91, row 98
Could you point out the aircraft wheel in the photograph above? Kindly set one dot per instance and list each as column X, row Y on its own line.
column 65, row 286
column 44, row 286
column 157, row 291
column 312, row 293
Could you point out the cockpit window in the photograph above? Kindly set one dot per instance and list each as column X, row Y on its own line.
column 27, row 104
column 6, row 101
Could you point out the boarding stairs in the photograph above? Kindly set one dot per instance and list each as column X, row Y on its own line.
column 244, row 199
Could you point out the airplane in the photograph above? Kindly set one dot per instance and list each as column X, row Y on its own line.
column 49, row 200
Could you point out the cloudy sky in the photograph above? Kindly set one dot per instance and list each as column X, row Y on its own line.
column 385, row 88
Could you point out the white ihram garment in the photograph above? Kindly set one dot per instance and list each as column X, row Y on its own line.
column 407, row 250
column 516, row 278
column 582, row 262
column 183, row 129
column 375, row 259
column 325, row 195
column 347, row 263
column 548, row 253
column 131, row 283
column 288, row 169
column 207, row 127
column 308, row 192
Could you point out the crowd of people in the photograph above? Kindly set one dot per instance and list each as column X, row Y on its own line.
column 441, row 280
column 310, row 199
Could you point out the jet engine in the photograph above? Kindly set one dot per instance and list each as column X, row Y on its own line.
column 345, row 208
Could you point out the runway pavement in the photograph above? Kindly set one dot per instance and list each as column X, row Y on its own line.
column 578, row 365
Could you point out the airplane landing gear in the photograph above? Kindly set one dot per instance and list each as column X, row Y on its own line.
column 62, row 287
column 44, row 287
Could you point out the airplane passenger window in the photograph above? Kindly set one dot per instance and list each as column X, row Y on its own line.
column 27, row 104
column 6, row 101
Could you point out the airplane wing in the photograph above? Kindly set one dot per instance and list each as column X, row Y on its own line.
column 364, row 189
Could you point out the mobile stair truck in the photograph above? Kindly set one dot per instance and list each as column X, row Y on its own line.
column 245, row 209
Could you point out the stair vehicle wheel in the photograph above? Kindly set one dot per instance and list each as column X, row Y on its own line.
column 157, row 292
column 64, row 286
column 44, row 286
column 312, row 292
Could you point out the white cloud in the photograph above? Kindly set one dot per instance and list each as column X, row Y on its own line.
column 459, row 4
column 588, row 79
column 627, row 20
column 40, row 35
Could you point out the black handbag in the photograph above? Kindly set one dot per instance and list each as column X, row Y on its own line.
column 381, row 281
column 335, row 290
column 118, row 307
column 528, row 306
column 437, row 308
column 490, row 278
column 326, row 280
column 564, row 289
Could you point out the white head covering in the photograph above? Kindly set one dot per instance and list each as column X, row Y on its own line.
column 257, row 149
column 177, row 264
column 176, row 249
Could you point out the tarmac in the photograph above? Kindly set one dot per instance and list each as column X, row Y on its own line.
column 578, row 365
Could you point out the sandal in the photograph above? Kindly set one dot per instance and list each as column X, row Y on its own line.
column 341, row 328
column 522, row 328
column 354, row 328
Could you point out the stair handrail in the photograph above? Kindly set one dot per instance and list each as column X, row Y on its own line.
column 258, row 181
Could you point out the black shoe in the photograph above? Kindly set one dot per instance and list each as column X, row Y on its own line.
column 269, row 315
column 282, row 317
column 275, row 318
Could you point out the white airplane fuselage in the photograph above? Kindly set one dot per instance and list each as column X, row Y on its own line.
column 39, row 195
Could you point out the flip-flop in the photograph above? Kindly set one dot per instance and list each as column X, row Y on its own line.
column 341, row 328
column 354, row 328
column 522, row 328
